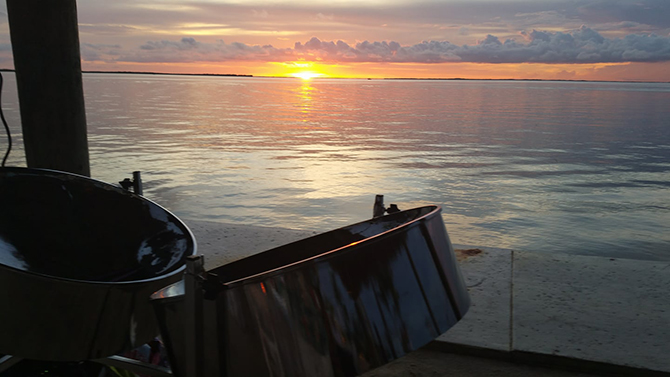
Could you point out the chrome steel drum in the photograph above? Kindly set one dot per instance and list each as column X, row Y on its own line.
column 336, row 304
column 79, row 259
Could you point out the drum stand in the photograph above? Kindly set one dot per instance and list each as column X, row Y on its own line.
column 120, row 362
column 193, row 294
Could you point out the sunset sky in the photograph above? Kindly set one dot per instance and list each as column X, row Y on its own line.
column 541, row 39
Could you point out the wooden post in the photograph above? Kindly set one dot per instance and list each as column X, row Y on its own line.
column 45, row 43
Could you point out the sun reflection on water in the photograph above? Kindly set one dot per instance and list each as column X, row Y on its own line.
column 306, row 93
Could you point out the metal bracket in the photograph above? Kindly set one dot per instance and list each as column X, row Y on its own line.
column 135, row 183
column 379, row 210
column 125, row 363
column 135, row 366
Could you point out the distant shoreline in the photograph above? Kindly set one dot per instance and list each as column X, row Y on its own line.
column 355, row 78
column 170, row 74
column 154, row 73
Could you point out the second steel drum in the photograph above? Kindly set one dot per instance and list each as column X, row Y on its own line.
column 336, row 304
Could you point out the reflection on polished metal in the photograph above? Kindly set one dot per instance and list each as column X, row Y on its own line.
column 138, row 367
column 79, row 259
column 336, row 304
column 8, row 361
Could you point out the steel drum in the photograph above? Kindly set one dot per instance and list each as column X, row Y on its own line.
column 336, row 304
column 79, row 259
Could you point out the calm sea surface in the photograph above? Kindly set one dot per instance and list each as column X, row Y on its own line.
column 581, row 168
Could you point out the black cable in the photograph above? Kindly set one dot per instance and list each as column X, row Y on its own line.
column 2, row 116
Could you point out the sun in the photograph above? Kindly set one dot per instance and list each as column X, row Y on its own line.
column 304, row 69
column 306, row 75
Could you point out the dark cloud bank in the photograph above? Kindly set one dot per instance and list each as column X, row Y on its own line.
column 584, row 45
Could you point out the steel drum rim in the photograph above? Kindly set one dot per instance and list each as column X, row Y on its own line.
column 107, row 186
column 255, row 278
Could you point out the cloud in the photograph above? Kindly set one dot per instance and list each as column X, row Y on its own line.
column 583, row 45
column 261, row 14
column 323, row 17
column 182, row 45
column 190, row 50
column 133, row 22
column 649, row 12
column 91, row 51
column 106, row 29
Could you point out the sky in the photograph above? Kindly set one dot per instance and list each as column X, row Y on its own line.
column 620, row 40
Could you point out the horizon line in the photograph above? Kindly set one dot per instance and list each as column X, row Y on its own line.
column 356, row 78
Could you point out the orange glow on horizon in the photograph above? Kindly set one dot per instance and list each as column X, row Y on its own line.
column 307, row 69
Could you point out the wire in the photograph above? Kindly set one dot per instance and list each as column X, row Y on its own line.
column 9, row 134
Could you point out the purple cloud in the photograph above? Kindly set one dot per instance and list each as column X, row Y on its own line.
column 584, row 45
column 190, row 50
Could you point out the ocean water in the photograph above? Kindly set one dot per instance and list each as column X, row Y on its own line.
column 570, row 167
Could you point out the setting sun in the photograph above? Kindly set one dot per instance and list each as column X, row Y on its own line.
column 306, row 75
column 305, row 70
